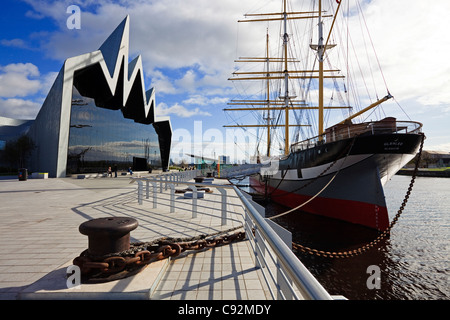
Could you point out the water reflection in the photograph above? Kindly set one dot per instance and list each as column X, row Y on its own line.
column 340, row 276
column 99, row 138
column 413, row 260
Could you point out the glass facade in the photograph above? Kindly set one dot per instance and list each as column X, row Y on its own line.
column 100, row 138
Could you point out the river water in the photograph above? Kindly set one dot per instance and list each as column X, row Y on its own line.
column 413, row 263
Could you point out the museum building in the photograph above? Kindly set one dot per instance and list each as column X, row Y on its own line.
column 96, row 115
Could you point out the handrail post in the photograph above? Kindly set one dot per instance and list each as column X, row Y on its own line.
column 172, row 197
column 291, row 274
column 140, row 186
column 284, row 282
column 309, row 287
column 194, row 201
column 154, row 193
column 147, row 189
column 259, row 249
column 224, row 205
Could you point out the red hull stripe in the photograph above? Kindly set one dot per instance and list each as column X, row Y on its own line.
column 366, row 214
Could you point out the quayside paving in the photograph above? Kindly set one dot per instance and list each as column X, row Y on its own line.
column 39, row 238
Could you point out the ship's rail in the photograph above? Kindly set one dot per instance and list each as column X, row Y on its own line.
column 242, row 170
column 285, row 275
column 346, row 131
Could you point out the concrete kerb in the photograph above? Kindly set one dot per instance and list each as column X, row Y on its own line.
column 138, row 287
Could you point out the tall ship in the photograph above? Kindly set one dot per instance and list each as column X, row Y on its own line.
column 336, row 170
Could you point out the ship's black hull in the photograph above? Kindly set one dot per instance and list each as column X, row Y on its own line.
column 343, row 179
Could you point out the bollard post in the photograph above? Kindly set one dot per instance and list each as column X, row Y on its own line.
column 108, row 235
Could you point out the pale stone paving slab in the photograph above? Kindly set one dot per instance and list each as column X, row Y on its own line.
column 39, row 236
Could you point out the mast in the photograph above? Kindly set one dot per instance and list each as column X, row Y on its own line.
column 284, row 75
column 286, row 82
column 284, row 101
column 268, row 94
column 320, row 52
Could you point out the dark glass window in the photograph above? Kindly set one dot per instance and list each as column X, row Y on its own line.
column 100, row 138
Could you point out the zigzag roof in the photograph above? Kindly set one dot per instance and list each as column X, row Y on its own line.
column 114, row 83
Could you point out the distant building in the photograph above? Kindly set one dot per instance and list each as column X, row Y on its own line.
column 435, row 159
column 97, row 114
column 224, row 159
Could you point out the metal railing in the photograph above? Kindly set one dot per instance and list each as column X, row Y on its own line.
column 286, row 277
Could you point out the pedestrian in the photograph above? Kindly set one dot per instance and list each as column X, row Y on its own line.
column 109, row 172
column 115, row 171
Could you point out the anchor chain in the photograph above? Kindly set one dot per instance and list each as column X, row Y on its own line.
column 355, row 252
column 118, row 265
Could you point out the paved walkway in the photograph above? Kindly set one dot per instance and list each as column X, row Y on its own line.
column 39, row 237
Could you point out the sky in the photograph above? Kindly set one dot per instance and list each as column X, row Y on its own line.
column 188, row 48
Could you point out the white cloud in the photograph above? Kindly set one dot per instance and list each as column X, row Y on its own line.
column 24, row 79
column 168, row 34
column 188, row 47
column 212, row 142
column 19, row 108
column 445, row 147
column 410, row 42
column 176, row 34
column 188, row 81
column 162, row 83
column 202, row 100
column 22, row 89
column 19, row 80
column 163, row 110
column 198, row 36
column 17, row 43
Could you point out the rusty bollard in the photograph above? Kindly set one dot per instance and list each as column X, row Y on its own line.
column 108, row 235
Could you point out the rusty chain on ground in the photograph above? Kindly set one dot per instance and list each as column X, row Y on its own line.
column 355, row 252
column 118, row 265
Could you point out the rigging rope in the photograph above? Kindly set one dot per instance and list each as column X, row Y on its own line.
column 373, row 47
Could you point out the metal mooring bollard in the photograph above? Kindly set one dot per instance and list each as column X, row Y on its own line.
column 108, row 235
